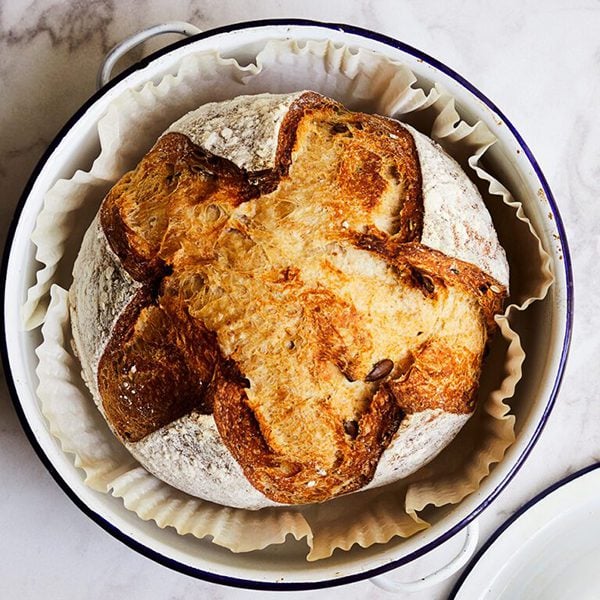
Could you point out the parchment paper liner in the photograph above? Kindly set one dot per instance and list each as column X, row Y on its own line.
column 362, row 80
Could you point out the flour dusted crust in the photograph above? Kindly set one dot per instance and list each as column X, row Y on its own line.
column 244, row 130
column 285, row 301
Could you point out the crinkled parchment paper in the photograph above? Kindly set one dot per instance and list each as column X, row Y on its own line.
column 362, row 80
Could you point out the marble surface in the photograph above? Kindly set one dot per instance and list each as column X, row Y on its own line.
column 539, row 61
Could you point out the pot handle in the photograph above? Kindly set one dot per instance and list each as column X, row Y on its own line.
column 105, row 71
column 385, row 582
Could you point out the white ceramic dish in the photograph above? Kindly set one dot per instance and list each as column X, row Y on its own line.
column 550, row 548
column 285, row 567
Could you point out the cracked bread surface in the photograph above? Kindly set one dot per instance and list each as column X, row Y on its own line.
column 292, row 310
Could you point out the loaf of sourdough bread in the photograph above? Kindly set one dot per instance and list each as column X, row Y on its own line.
column 286, row 301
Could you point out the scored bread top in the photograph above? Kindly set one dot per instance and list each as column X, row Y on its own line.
column 289, row 294
column 245, row 131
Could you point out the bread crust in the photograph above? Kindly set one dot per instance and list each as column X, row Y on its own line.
column 186, row 400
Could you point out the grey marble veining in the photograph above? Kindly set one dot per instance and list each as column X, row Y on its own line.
column 539, row 61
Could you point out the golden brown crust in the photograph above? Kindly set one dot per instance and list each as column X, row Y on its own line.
column 427, row 269
column 174, row 174
column 290, row 481
column 210, row 261
column 156, row 368
column 369, row 140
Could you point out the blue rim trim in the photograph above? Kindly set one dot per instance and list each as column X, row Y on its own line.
column 529, row 504
column 245, row 583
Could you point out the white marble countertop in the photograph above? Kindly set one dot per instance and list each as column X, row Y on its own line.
column 538, row 61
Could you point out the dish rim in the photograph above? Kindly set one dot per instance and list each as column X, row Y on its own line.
column 514, row 517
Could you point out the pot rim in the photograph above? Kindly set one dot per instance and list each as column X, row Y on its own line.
column 446, row 535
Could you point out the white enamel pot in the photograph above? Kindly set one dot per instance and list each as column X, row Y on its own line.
column 284, row 567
